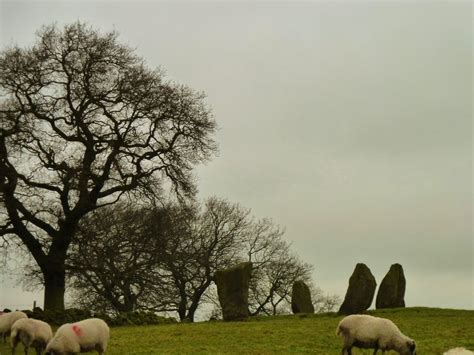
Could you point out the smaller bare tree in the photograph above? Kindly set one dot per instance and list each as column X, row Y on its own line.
column 275, row 270
column 323, row 302
column 157, row 259
column 164, row 258
column 213, row 241
column 113, row 257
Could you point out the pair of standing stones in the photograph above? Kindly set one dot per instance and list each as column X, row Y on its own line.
column 361, row 290
column 360, row 293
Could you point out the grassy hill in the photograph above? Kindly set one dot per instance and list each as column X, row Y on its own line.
column 435, row 330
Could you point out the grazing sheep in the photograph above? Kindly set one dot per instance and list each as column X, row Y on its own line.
column 458, row 351
column 368, row 332
column 87, row 335
column 7, row 320
column 31, row 332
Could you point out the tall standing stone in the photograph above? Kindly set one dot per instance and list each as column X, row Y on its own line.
column 233, row 290
column 301, row 298
column 391, row 292
column 361, row 290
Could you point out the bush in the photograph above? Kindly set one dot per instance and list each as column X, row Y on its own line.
column 74, row 315
column 139, row 318
column 59, row 317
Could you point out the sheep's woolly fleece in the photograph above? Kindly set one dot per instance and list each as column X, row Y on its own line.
column 373, row 332
column 31, row 332
column 459, row 351
column 7, row 320
column 87, row 335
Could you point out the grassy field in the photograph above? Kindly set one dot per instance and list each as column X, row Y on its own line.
column 435, row 330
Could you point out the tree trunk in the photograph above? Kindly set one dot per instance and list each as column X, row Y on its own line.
column 195, row 301
column 54, row 287
column 182, row 310
column 190, row 317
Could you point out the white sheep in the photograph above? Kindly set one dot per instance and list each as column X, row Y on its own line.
column 368, row 332
column 458, row 351
column 86, row 335
column 7, row 320
column 31, row 332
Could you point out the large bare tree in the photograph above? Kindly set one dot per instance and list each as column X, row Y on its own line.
column 84, row 121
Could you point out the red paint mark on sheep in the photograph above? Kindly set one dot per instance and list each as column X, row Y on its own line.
column 77, row 330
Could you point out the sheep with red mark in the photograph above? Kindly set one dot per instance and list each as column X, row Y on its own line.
column 87, row 335
column 7, row 320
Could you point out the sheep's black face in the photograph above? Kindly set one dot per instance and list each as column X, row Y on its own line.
column 407, row 348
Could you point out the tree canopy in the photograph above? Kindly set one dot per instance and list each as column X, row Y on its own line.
column 84, row 121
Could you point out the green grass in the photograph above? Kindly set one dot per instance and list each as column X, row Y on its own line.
column 435, row 331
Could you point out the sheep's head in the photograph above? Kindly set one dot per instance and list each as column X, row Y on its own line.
column 409, row 348
column 53, row 348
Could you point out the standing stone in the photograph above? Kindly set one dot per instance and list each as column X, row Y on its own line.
column 391, row 292
column 361, row 290
column 301, row 298
column 233, row 290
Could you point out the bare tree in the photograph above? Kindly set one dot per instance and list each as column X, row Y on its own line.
column 113, row 257
column 323, row 302
column 217, row 234
column 275, row 269
column 84, row 121
column 164, row 259
column 157, row 259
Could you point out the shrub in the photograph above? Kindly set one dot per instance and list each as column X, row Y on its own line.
column 139, row 318
column 59, row 317
column 72, row 315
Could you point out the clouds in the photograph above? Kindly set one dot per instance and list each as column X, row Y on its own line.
column 348, row 123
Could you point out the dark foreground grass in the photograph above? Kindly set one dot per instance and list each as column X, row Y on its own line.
column 435, row 331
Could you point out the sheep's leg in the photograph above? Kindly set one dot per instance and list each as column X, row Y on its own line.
column 26, row 350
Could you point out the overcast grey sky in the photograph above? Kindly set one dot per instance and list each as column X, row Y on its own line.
column 349, row 123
